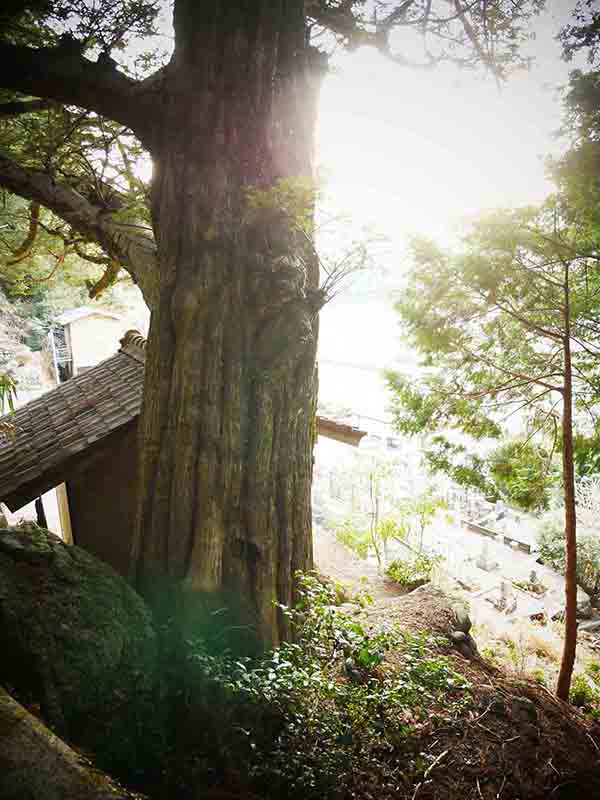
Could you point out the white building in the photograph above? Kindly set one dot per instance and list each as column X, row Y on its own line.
column 82, row 338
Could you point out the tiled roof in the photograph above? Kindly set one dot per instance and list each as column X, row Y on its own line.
column 62, row 424
column 54, row 432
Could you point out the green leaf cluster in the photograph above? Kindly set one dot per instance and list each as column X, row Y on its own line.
column 319, row 717
column 488, row 321
column 413, row 573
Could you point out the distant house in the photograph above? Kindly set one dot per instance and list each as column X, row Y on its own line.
column 84, row 433
column 82, row 337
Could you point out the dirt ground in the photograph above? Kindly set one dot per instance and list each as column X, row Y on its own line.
column 337, row 562
column 515, row 741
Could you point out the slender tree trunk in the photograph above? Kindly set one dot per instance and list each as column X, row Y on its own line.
column 230, row 397
column 570, row 644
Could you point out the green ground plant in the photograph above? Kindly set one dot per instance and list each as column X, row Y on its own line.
column 593, row 670
column 585, row 696
column 414, row 572
column 326, row 715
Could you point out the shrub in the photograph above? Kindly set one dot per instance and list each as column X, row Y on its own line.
column 584, row 695
column 414, row 573
column 320, row 716
column 539, row 676
column 593, row 670
column 551, row 546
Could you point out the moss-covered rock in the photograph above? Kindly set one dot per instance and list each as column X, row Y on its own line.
column 78, row 640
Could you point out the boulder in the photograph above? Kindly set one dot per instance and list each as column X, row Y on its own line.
column 584, row 607
column 462, row 620
column 76, row 639
column 464, row 643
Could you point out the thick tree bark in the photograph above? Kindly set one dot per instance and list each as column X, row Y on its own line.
column 228, row 420
column 570, row 644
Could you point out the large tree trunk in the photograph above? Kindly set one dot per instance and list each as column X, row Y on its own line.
column 570, row 644
column 230, row 398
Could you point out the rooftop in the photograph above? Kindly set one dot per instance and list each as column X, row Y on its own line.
column 54, row 433
column 82, row 312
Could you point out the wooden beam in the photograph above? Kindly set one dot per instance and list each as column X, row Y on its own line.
column 339, row 432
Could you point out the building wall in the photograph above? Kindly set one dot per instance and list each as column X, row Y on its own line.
column 93, row 339
column 102, row 501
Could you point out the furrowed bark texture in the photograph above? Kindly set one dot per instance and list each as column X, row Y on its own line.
column 228, row 423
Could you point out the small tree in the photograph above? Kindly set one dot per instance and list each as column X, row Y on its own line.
column 407, row 519
column 362, row 534
column 362, row 537
column 418, row 513
column 509, row 327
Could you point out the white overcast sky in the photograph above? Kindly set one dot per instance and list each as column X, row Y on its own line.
column 415, row 151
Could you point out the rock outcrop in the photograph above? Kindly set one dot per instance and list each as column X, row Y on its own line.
column 77, row 640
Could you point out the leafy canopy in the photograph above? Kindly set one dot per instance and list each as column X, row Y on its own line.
column 490, row 323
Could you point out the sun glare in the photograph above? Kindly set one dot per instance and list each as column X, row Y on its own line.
column 410, row 154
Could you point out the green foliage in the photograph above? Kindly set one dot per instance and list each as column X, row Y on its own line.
column 551, row 546
column 419, row 512
column 583, row 32
column 8, row 392
column 587, row 454
column 523, row 473
column 355, row 537
column 428, row 407
column 489, row 323
column 463, row 467
column 408, row 519
column 413, row 573
column 593, row 670
column 585, row 696
column 94, row 155
column 520, row 472
column 323, row 716
column 293, row 198
column 539, row 676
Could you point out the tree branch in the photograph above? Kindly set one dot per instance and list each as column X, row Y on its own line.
column 24, row 248
column 64, row 75
column 23, row 107
column 538, row 379
column 135, row 251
